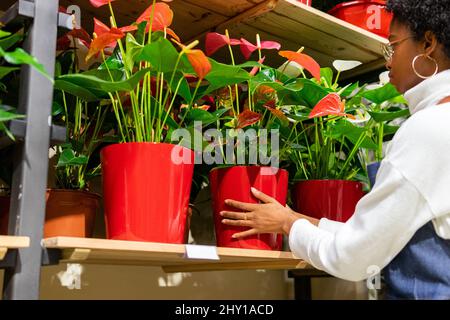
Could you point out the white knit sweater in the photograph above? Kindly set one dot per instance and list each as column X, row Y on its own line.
column 412, row 188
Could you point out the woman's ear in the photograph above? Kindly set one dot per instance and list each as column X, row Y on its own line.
column 430, row 43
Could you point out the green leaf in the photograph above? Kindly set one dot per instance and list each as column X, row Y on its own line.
column 311, row 94
column 184, row 90
column 204, row 116
column 7, row 116
column 389, row 130
column 386, row 116
column 327, row 73
column 4, row 34
column 114, row 62
column 380, row 95
column 19, row 56
column 68, row 158
column 57, row 109
column 162, row 56
column 349, row 90
column 4, row 71
column 7, row 43
column 134, row 49
column 223, row 75
column 92, row 88
column 77, row 90
column 344, row 128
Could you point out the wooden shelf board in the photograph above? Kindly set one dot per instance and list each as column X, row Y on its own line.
column 171, row 257
column 12, row 242
column 289, row 22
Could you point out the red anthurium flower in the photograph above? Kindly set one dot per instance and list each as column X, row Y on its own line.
column 162, row 16
column 330, row 105
column 304, row 60
column 197, row 58
column 199, row 62
column 100, row 3
column 162, row 19
column 248, row 48
column 65, row 41
column 247, row 118
column 214, row 41
column 81, row 34
column 102, row 41
column 101, row 28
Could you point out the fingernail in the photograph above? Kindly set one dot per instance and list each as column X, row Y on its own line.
column 221, row 213
column 254, row 189
column 233, row 236
column 227, row 201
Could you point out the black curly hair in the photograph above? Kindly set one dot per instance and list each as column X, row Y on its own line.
column 422, row 16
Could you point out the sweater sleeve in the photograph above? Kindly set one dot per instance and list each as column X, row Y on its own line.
column 330, row 225
column 384, row 222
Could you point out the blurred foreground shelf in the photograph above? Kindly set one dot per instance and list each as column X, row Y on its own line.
column 12, row 242
column 171, row 257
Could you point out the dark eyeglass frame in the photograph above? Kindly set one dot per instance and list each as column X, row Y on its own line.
column 388, row 48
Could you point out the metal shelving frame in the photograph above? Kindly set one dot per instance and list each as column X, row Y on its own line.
column 27, row 210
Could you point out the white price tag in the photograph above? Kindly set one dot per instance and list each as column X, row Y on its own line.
column 201, row 252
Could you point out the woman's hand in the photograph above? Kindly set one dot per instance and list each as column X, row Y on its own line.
column 268, row 217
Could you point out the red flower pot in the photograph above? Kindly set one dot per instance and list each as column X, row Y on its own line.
column 68, row 213
column 235, row 183
column 332, row 199
column 370, row 15
column 307, row 2
column 146, row 191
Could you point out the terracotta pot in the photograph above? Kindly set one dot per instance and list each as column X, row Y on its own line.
column 69, row 213
column 146, row 194
column 332, row 199
column 235, row 183
column 370, row 15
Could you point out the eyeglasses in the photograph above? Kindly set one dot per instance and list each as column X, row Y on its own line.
column 388, row 48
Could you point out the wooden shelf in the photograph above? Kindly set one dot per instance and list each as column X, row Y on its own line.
column 11, row 242
column 171, row 257
column 289, row 22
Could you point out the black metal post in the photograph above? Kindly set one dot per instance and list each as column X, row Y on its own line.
column 27, row 212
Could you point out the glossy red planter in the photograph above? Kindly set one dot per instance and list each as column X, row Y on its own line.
column 307, row 2
column 332, row 199
column 146, row 194
column 370, row 15
column 235, row 183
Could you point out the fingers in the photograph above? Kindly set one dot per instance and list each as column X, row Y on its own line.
column 237, row 223
column 262, row 196
column 244, row 234
column 241, row 205
column 237, row 215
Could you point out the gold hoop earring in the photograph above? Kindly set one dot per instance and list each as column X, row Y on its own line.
column 428, row 57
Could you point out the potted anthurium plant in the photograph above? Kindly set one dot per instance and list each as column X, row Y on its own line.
column 328, row 168
column 71, row 206
column 154, row 85
column 251, row 142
